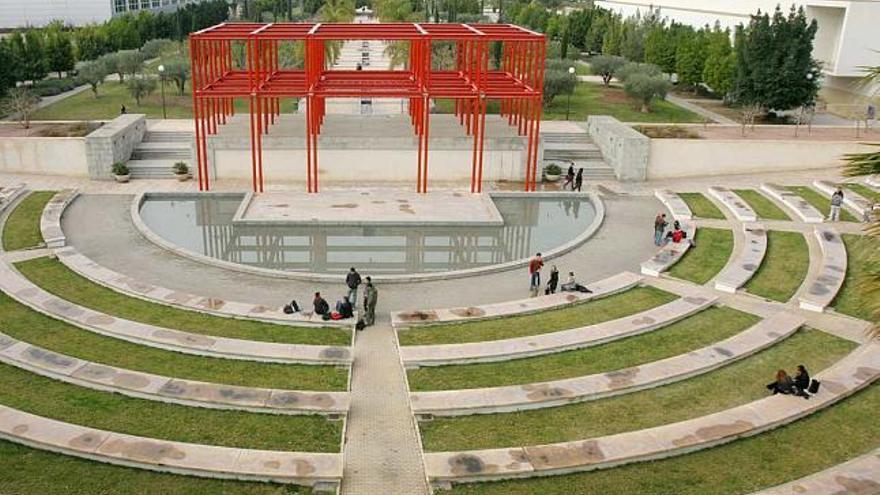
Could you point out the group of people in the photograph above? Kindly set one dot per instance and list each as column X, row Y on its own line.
column 662, row 236
column 571, row 284
column 346, row 306
column 575, row 181
column 801, row 385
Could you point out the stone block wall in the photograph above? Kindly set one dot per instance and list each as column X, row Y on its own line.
column 114, row 142
column 624, row 149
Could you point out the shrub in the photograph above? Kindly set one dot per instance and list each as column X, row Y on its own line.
column 667, row 132
column 606, row 66
column 181, row 168
column 154, row 48
column 557, row 83
column 553, row 169
column 646, row 87
column 120, row 168
column 627, row 70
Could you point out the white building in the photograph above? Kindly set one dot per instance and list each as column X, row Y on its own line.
column 37, row 13
column 847, row 40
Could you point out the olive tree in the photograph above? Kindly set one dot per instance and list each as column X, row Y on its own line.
column 645, row 87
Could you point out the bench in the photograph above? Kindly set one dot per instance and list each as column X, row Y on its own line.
column 803, row 209
column 740, row 209
column 673, row 202
column 747, row 261
column 670, row 253
column 50, row 219
column 822, row 289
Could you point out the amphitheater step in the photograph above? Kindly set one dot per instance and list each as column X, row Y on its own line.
column 167, row 137
column 153, row 168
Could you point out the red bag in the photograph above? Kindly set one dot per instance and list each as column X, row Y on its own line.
column 677, row 236
column 335, row 316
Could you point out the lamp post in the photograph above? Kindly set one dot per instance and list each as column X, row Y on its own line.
column 568, row 103
column 162, row 82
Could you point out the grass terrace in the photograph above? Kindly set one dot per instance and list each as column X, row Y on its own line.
column 46, row 397
column 679, row 401
column 861, row 253
column 697, row 331
column 817, row 442
column 701, row 264
column 53, row 276
column 820, row 202
column 763, row 206
column 22, row 227
column 608, row 308
column 22, row 323
column 29, row 471
column 784, row 267
column 864, row 191
column 701, row 206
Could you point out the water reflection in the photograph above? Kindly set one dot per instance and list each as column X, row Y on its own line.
column 203, row 223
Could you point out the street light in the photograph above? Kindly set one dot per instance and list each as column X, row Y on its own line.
column 162, row 79
column 568, row 104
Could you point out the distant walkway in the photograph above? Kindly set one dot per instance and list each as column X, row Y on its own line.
column 703, row 112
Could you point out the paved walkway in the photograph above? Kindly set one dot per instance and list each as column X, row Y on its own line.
column 701, row 111
column 382, row 451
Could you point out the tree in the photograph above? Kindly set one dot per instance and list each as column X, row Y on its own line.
column 557, row 82
column 7, row 77
column 22, row 103
column 129, row 62
column 631, row 68
column 178, row 71
column 140, row 87
column 646, row 87
column 59, row 50
column 122, row 33
column 91, row 42
column 690, row 59
column 29, row 55
column 660, row 48
column 92, row 72
column 720, row 67
column 606, row 66
column 336, row 11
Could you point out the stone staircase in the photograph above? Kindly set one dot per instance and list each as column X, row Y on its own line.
column 155, row 156
column 564, row 147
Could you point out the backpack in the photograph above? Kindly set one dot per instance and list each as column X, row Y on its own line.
column 360, row 325
column 677, row 236
column 814, row 386
column 291, row 308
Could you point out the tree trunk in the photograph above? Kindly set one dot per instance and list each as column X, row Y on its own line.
column 646, row 107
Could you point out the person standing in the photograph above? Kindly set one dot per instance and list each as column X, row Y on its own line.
column 535, row 265
column 553, row 282
column 569, row 177
column 578, row 180
column 353, row 281
column 836, row 202
column 371, row 297
column 660, row 224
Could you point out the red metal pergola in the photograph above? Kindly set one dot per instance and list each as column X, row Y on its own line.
column 218, row 78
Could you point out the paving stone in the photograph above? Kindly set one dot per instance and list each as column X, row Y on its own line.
column 673, row 202
column 606, row 287
column 731, row 200
column 859, row 476
column 590, row 387
column 858, row 203
column 822, row 289
column 534, row 345
column 747, row 261
column 50, row 219
column 803, row 209
column 25, row 292
column 670, row 253
column 854, row 372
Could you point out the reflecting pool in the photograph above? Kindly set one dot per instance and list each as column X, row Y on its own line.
column 203, row 223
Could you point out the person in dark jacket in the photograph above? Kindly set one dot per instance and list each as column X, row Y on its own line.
column 344, row 308
column 353, row 281
column 783, row 384
column 553, row 282
column 569, row 177
column 321, row 306
column 578, row 180
column 371, row 297
column 802, row 381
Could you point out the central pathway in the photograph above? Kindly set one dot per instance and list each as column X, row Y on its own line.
column 382, row 453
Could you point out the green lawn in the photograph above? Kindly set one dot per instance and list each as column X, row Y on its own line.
column 25, row 324
column 865, row 191
column 704, row 328
column 29, row 471
column 784, row 266
column 645, row 409
column 595, row 99
column 608, row 308
column 863, row 253
column 53, row 276
column 701, row 206
column 22, row 228
column 820, row 202
column 701, row 264
column 46, row 397
column 819, row 441
column 112, row 95
column 762, row 205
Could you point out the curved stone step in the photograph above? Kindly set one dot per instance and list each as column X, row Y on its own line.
column 8, row 195
column 547, row 343
column 611, row 285
column 873, row 181
column 854, row 372
column 855, row 201
column 803, row 209
column 319, row 470
column 747, row 261
column 740, row 209
column 50, row 218
column 822, row 289
column 857, row 476
column 591, row 387
column 102, row 275
column 670, row 253
column 673, row 202
column 168, row 389
column 24, row 291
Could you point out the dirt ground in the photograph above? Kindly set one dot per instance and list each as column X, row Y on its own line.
column 71, row 129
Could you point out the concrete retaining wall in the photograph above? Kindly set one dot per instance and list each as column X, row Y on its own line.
column 114, row 142
column 44, row 155
column 622, row 147
column 670, row 158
